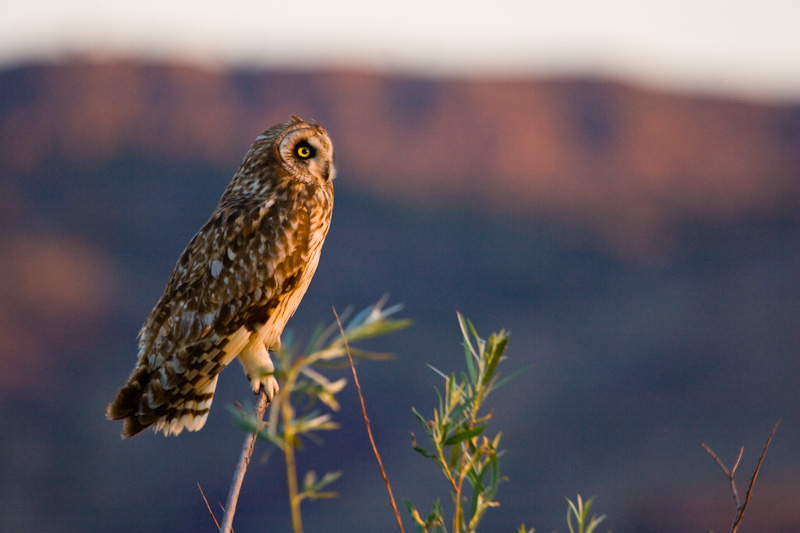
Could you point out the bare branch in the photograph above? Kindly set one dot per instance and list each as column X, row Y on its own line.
column 729, row 473
column 736, row 465
column 740, row 514
column 367, row 423
column 719, row 462
column 241, row 468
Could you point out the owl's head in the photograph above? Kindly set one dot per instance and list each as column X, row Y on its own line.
column 304, row 149
column 294, row 150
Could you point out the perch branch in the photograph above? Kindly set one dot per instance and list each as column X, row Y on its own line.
column 241, row 468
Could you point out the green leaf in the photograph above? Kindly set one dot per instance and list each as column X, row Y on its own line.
column 311, row 483
column 455, row 455
column 315, row 341
column 419, row 417
column 419, row 450
column 419, row 523
column 245, row 418
column 464, row 435
column 441, row 403
column 495, row 476
column 371, row 356
column 434, row 522
column 362, row 315
column 478, row 490
column 425, row 453
column 374, row 329
column 463, row 324
column 473, row 378
column 459, row 410
column 509, row 377
column 497, row 344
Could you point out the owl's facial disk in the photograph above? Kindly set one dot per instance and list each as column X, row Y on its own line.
column 307, row 150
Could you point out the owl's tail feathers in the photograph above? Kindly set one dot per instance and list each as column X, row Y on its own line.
column 143, row 402
column 126, row 406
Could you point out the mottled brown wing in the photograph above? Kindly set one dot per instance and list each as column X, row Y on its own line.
column 233, row 273
column 240, row 261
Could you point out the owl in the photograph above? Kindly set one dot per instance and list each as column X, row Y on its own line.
column 237, row 283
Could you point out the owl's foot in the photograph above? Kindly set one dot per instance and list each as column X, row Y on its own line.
column 267, row 384
column 259, row 368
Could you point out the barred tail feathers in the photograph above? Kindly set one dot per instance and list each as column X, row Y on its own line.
column 144, row 402
column 177, row 393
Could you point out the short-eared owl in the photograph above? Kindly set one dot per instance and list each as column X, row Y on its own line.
column 237, row 283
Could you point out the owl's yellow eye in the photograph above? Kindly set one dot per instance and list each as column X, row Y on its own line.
column 304, row 151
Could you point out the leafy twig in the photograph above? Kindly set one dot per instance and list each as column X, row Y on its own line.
column 581, row 514
column 460, row 449
column 741, row 506
column 369, row 427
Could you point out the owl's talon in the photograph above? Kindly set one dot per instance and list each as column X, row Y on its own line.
column 270, row 387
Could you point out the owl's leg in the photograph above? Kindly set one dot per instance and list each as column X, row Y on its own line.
column 259, row 368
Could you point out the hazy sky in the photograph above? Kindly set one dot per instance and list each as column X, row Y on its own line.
column 747, row 47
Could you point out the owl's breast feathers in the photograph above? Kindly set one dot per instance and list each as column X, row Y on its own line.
column 243, row 274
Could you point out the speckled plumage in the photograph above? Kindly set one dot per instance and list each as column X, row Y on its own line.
column 237, row 283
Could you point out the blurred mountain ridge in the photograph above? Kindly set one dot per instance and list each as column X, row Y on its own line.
column 621, row 162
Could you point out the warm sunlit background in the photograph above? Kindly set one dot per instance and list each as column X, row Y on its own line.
column 740, row 47
column 615, row 182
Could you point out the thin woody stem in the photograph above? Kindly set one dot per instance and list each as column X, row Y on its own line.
column 241, row 468
column 740, row 514
column 741, row 506
column 291, row 479
column 458, row 518
column 289, row 441
column 369, row 428
column 209, row 507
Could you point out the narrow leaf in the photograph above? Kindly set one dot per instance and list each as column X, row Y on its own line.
column 425, row 453
column 509, row 377
column 419, row 417
column 464, row 435
column 462, row 322
column 438, row 371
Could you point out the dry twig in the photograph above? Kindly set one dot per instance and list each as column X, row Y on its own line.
column 208, row 506
column 741, row 506
column 367, row 423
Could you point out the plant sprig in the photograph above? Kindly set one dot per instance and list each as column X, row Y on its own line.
column 455, row 432
column 581, row 513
